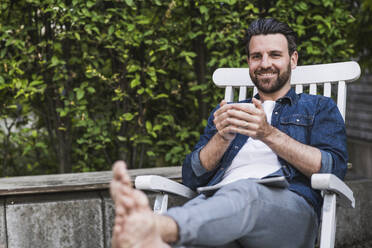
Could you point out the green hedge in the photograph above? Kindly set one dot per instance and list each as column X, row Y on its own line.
column 83, row 83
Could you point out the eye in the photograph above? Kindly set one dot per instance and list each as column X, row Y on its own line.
column 255, row 56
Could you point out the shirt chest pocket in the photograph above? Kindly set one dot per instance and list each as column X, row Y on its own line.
column 297, row 119
column 297, row 126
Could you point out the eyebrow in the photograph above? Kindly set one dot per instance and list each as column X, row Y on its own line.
column 270, row 52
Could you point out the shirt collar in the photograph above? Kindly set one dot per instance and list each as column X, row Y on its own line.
column 291, row 97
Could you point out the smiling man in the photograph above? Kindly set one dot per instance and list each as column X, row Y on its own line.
column 281, row 134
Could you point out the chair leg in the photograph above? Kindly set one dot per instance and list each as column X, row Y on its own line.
column 161, row 203
column 327, row 238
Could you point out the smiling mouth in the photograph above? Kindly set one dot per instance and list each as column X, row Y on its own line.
column 266, row 75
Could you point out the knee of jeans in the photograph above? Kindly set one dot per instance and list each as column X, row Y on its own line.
column 244, row 187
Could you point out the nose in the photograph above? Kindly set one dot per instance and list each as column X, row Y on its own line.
column 265, row 62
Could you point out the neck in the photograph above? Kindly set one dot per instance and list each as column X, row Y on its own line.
column 275, row 95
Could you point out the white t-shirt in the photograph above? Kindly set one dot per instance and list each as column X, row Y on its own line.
column 255, row 159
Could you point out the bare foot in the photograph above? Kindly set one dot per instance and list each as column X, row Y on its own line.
column 135, row 224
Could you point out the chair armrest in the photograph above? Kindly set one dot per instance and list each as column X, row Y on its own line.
column 332, row 184
column 163, row 184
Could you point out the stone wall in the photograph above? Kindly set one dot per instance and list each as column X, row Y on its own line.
column 75, row 210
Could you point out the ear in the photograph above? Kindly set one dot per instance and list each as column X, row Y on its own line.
column 294, row 59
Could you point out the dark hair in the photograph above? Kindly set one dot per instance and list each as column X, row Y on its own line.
column 271, row 26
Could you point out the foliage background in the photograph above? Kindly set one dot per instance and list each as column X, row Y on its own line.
column 84, row 83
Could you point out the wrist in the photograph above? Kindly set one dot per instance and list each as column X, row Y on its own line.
column 270, row 135
column 222, row 138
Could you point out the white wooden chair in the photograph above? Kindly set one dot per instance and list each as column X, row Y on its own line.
column 316, row 78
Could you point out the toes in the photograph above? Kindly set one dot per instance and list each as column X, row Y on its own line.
column 118, row 168
column 141, row 199
column 121, row 179
column 127, row 202
column 120, row 172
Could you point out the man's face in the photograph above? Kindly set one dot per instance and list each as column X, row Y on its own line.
column 269, row 62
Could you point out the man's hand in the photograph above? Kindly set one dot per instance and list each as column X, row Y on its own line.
column 242, row 118
column 230, row 119
column 222, row 121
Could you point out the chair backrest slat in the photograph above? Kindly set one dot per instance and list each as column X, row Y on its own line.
column 255, row 90
column 312, row 90
column 242, row 93
column 327, row 90
column 341, row 97
column 299, row 88
column 229, row 94
column 312, row 75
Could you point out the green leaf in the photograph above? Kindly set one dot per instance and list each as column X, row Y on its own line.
column 150, row 153
column 80, row 94
column 77, row 36
column 90, row 4
column 129, row 2
column 148, row 126
column 111, row 30
column 128, row 116
column 203, row 9
column 135, row 82
column 55, row 61
column 122, row 139
column 162, row 95
column 36, row 82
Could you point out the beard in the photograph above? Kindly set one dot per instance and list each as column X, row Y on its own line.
column 270, row 85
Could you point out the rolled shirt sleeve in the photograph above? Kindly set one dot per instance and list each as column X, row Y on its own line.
column 327, row 162
column 196, row 165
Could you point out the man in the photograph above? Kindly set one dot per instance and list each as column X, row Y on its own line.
column 283, row 133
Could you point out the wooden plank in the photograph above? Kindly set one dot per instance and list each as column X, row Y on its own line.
column 361, row 99
column 359, row 134
column 356, row 107
column 74, row 181
column 359, row 116
column 360, row 88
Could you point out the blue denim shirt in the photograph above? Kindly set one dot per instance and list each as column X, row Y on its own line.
column 310, row 119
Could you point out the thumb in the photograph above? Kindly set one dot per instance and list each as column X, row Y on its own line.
column 257, row 103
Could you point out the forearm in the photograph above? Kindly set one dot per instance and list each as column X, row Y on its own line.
column 212, row 153
column 305, row 158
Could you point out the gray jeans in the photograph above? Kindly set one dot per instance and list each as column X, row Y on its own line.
column 247, row 214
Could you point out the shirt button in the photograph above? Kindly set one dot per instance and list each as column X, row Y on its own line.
column 297, row 120
column 276, row 112
column 236, row 147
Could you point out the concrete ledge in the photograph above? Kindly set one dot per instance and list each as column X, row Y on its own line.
column 55, row 220
column 77, row 211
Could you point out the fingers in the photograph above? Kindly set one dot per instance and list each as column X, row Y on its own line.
column 257, row 103
column 222, row 103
